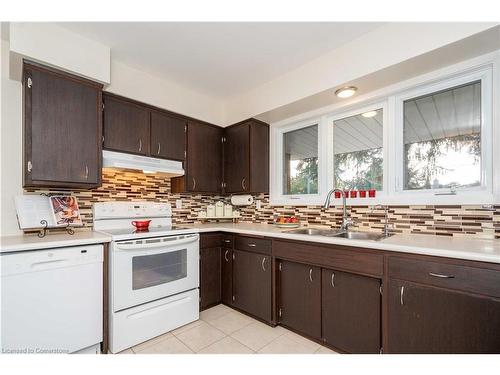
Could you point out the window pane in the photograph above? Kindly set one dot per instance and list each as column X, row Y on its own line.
column 442, row 136
column 300, row 161
column 358, row 142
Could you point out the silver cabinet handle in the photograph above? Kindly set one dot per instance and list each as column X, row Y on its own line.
column 225, row 256
column 401, row 294
column 252, row 245
column 194, row 183
column 159, row 148
column 441, row 276
column 263, row 263
column 243, row 186
column 333, row 276
column 310, row 274
column 140, row 145
column 86, row 172
column 227, row 241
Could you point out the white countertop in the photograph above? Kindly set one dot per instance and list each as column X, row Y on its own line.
column 484, row 250
column 32, row 242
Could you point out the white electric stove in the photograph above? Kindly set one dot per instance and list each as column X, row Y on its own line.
column 154, row 274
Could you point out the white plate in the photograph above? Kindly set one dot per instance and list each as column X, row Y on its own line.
column 288, row 225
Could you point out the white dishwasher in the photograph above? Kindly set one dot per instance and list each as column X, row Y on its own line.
column 51, row 300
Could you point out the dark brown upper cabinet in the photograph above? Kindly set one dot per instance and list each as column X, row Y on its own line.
column 168, row 136
column 203, row 167
column 126, row 126
column 351, row 312
column 300, row 298
column 246, row 157
column 62, row 129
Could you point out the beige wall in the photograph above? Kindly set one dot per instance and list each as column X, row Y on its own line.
column 10, row 146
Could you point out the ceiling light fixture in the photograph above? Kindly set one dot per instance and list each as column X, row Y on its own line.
column 369, row 114
column 346, row 92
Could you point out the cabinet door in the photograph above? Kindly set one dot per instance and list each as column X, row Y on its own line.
column 237, row 159
column 168, row 136
column 425, row 319
column 351, row 312
column 62, row 134
column 259, row 157
column 204, row 158
column 126, row 126
column 210, row 272
column 300, row 298
column 252, row 283
column 227, row 276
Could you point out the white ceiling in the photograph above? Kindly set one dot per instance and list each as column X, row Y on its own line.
column 220, row 59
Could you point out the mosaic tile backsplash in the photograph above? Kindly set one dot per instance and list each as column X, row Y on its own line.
column 466, row 220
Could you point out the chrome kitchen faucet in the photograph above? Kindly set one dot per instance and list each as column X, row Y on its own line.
column 346, row 221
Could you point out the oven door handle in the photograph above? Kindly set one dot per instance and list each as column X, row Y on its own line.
column 156, row 245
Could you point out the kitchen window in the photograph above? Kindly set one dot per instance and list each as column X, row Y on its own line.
column 358, row 151
column 428, row 140
column 300, row 161
column 445, row 130
column 442, row 139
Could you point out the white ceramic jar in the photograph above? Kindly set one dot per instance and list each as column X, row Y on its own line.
column 219, row 209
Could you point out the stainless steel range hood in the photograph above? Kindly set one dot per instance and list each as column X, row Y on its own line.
column 112, row 159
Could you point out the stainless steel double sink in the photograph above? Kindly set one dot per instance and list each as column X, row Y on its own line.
column 351, row 235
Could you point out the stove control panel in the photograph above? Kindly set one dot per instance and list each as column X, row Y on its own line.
column 110, row 210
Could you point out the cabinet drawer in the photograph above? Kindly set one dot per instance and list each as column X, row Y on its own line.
column 256, row 245
column 344, row 258
column 210, row 240
column 446, row 275
column 227, row 241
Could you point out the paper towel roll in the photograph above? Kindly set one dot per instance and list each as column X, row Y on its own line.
column 241, row 200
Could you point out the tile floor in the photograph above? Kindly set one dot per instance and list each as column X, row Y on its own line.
column 222, row 330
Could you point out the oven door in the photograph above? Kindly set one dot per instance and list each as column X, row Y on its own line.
column 152, row 268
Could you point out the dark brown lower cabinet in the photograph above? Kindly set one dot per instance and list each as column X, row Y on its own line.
column 351, row 309
column 227, row 276
column 210, row 277
column 426, row 319
column 300, row 298
column 252, row 283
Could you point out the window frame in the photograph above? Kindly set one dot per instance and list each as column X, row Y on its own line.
column 276, row 186
column 353, row 111
column 444, row 195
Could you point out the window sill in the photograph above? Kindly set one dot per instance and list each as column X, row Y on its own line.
column 399, row 199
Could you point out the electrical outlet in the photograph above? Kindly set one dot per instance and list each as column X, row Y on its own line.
column 178, row 203
column 258, row 204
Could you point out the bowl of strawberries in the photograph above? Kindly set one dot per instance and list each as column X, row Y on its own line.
column 287, row 222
